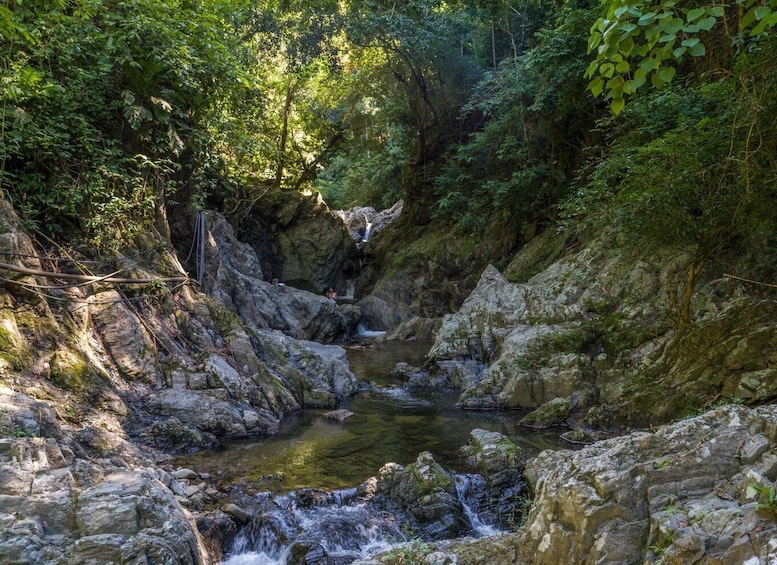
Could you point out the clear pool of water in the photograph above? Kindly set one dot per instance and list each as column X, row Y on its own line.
column 390, row 425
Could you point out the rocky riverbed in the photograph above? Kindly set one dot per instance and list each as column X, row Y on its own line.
column 100, row 384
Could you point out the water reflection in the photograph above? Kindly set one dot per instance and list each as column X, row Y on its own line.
column 391, row 424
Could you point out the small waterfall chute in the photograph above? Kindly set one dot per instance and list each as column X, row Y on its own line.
column 349, row 290
column 367, row 229
column 464, row 484
column 364, row 332
column 339, row 528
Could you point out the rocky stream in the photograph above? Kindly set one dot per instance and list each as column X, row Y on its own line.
column 120, row 406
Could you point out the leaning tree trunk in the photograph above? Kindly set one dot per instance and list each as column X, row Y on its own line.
column 283, row 141
column 694, row 268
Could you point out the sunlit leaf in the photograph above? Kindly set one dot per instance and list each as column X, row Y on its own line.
column 698, row 50
column 596, row 86
column 695, row 14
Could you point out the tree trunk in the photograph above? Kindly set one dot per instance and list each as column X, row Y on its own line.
column 282, row 142
column 695, row 267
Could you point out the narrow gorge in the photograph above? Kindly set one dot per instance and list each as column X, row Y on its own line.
column 105, row 386
column 369, row 282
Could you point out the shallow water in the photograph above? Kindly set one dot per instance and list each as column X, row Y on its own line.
column 391, row 425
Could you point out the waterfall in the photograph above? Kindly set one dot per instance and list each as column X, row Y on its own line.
column 367, row 229
column 480, row 528
column 362, row 331
column 349, row 290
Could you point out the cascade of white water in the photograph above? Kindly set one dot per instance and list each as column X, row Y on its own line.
column 363, row 331
column 480, row 528
column 349, row 290
column 348, row 530
column 367, row 230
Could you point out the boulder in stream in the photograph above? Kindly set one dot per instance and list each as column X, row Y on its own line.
column 340, row 415
column 423, row 493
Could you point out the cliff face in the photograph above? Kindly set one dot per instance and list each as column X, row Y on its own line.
column 598, row 329
column 99, row 379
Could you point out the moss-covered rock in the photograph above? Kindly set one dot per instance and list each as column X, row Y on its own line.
column 71, row 371
column 424, row 494
column 552, row 413
column 14, row 348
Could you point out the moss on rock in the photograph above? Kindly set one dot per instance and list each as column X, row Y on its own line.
column 71, row 371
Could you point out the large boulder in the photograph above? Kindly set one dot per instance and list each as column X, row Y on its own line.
column 424, row 493
column 300, row 242
column 317, row 374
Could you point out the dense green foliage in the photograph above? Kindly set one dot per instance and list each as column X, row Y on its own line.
column 516, row 166
column 637, row 40
column 478, row 114
column 101, row 104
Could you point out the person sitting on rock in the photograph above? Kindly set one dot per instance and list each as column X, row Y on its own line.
column 331, row 294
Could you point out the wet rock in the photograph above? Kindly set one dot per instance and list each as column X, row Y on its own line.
column 413, row 376
column 415, row 329
column 500, row 463
column 173, row 436
column 218, row 531
column 552, row 413
column 425, row 493
column 340, row 415
column 236, row 512
column 209, row 410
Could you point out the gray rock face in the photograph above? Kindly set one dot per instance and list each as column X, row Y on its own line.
column 300, row 242
column 126, row 339
column 484, row 347
column 55, row 513
column 685, row 494
column 233, row 276
column 596, row 328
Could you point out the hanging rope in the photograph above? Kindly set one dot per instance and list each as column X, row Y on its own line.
column 198, row 243
column 200, row 261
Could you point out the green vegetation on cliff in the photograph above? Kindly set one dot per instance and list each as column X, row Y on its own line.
column 478, row 115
